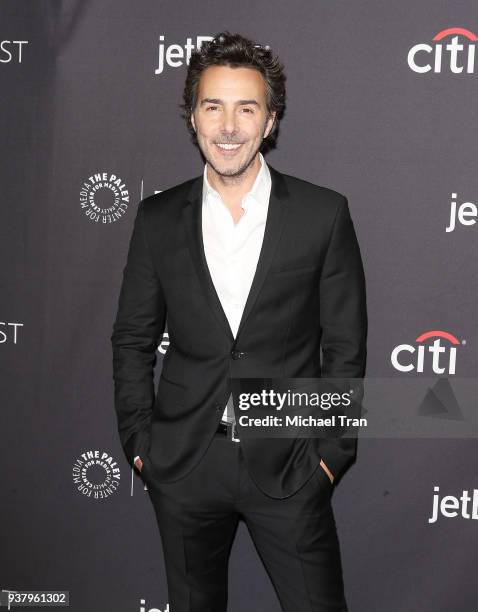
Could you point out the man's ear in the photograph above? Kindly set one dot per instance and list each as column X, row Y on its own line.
column 192, row 121
column 270, row 123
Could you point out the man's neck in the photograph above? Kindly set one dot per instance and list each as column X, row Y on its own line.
column 233, row 188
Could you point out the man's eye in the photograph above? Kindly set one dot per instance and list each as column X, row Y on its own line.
column 211, row 107
column 248, row 110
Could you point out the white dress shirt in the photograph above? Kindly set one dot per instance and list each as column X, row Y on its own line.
column 232, row 249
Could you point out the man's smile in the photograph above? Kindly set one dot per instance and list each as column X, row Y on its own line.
column 228, row 149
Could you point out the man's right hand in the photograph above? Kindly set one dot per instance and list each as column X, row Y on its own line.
column 139, row 464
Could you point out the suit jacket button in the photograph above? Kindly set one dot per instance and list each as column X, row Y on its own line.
column 237, row 354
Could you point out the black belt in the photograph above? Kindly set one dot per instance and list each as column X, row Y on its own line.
column 229, row 430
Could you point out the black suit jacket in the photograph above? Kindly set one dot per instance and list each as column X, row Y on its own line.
column 308, row 292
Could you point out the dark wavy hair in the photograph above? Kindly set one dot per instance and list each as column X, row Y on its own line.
column 234, row 50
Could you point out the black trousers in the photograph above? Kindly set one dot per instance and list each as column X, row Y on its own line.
column 295, row 537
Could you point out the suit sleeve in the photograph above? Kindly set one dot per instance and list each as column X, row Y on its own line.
column 343, row 321
column 137, row 329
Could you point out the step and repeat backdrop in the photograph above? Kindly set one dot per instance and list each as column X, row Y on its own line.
column 381, row 106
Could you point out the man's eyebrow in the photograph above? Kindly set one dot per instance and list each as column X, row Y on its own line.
column 219, row 101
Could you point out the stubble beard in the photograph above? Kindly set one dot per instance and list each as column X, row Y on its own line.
column 232, row 175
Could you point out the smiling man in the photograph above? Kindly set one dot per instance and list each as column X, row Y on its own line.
column 257, row 274
column 230, row 130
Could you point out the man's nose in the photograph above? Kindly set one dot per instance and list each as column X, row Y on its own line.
column 229, row 121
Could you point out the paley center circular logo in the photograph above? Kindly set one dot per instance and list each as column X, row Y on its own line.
column 104, row 197
column 96, row 474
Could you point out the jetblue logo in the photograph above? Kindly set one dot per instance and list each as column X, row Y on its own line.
column 461, row 214
column 144, row 609
column 449, row 506
column 175, row 55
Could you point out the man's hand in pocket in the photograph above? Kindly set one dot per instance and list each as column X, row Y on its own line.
column 138, row 463
column 327, row 471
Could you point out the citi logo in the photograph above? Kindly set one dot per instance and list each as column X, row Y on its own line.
column 176, row 55
column 445, row 55
column 440, row 353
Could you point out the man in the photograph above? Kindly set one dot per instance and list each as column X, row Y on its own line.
column 255, row 271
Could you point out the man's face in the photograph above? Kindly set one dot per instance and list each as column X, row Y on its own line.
column 231, row 110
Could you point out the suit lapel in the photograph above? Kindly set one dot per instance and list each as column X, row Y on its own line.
column 274, row 224
column 192, row 218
